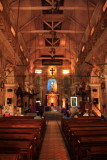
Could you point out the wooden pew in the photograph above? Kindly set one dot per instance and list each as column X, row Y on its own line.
column 32, row 123
column 22, row 149
column 21, row 136
column 18, row 117
column 23, row 133
column 97, row 153
column 83, row 141
column 70, row 139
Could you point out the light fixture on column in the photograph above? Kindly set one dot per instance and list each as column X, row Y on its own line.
column 65, row 71
column 38, row 71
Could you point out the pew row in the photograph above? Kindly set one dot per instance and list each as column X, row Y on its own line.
column 83, row 134
column 21, row 138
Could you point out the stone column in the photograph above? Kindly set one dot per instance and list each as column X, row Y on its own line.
column 63, row 102
column 105, row 93
column 10, row 98
column 96, row 93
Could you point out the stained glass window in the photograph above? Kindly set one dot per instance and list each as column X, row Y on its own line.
column 52, row 85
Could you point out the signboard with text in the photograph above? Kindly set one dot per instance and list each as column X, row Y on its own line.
column 52, row 62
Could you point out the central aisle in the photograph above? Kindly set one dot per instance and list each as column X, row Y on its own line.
column 53, row 147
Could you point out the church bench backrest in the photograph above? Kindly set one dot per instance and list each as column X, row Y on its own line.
column 17, row 136
column 41, row 122
column 22, row 148
column 84, row 143
column 22, row 130
column 88, row 133
column 8, row 125
column 74, row 131
column 98, row 152
column 18, row 117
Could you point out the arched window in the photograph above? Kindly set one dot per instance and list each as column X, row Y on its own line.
column 52, row 85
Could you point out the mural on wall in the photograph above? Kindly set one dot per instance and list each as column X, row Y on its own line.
column 52, row 85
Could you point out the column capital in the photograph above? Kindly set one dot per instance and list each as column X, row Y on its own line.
column 94, row 85
column 9, row 85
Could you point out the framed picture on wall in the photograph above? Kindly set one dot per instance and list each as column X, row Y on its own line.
column 73, row 101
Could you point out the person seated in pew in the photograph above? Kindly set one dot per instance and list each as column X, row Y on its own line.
column 67, row 115
column 37, row 116
column 77, row 113
column 86, row 113
column 91, row 113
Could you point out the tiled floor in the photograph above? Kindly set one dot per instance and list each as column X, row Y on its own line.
column 53, row 147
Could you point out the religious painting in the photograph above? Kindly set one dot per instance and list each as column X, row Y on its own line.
column 52, row 85
column 73, row 101
column 52, row 100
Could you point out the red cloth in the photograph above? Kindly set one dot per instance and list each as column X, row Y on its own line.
column 7, row 114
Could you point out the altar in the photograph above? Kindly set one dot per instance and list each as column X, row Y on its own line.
column 52, row 100
column 52, row 96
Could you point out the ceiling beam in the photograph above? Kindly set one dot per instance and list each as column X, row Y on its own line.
column 92, row 3
column 29, row 8
column 56, row 42
column 32, row 39
column 27, row 23
column 55, row 58
column 58, row 23
column 48, row 41
column 57, row 31
column 76, row 21
column 44, row 47
column 49, row 2
column 13, row 2
column 46, row 23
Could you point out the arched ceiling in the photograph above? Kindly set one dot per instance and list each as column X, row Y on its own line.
column 52, row 29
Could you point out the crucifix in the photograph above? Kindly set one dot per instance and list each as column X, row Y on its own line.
column 52, row 71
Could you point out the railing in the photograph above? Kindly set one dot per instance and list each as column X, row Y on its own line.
column 96, row 110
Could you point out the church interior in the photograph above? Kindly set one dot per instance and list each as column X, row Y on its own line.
column 53, row 59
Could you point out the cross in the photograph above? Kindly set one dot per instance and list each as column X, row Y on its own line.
column 52, row 71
